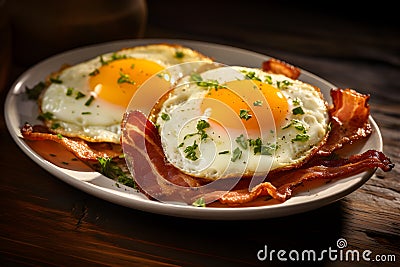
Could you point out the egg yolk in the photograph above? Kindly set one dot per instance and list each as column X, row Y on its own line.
column 240, row 99
column 118, row 80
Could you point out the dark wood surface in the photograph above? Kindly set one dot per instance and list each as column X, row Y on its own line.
column 45, row 222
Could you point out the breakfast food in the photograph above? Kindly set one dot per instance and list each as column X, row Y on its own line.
column 245, row 131
column 226, row 134
column 88, row 100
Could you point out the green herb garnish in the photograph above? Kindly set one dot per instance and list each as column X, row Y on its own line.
column 297, row 125
column 79, row 95
column 237, row 154
column 55, row 80
column 208, row 84
column 241, row 141
column 260, row 148
column 258, row 103
column 301, row 137
column 283, row 84
column 45, row 116
column 165, row 117
column 89, row 101
column 298, row 111
column 191, row 151
column 110, row 169
column 179, row 54
column 55, row 126
column 268, row 79
column 94, row 73
column 69, row 92
column 251, row 75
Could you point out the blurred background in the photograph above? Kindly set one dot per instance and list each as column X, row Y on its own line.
column 334, row 40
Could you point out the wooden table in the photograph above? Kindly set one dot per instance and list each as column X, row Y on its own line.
column 45, row 222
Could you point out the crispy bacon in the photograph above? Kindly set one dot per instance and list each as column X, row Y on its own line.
column 281, row 185
column 349, row 119
column 81, row 149
column 279, row 67
column 158, row 178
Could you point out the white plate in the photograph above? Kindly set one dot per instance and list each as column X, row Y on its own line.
column 19, row 110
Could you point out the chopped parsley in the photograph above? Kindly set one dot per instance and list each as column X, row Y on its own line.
column 241, row 141
column 55, row 80
column 110, row 169
column 256, row 144
column 79, row 95
column 208, row 84
column 298, row 111
column 296, row 102
column 283, row 84
column 55, row 126
column 94, row 73
column 191, row 151
column 34, row 92
column 297, row 125
column 257, row 103
column 45, row 116
column 200, row 202
column 223, row 152
column 179, row 54
column 89, row 101
column 165, row 117
column 268, row 79
column 237, row 154
column 69, row 92
column 124, row 78
column 301, row 137
column 201, row 126
column 114, row 56
column 260, row 148
column 86, row 113
column 251, row 75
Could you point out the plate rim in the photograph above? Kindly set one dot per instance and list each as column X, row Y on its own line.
column 208, row 213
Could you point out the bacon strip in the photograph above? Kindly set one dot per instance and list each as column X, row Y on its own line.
column 279, row 67
column 281, row 185
column 349, row 119
column 81, row 149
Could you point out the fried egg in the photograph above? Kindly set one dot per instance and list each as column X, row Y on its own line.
column 88, row 100
column 239, row 121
